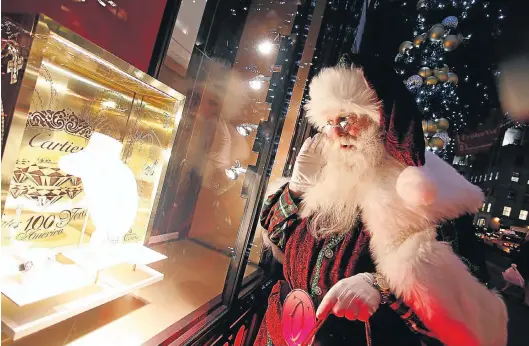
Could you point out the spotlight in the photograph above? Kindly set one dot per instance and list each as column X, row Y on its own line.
column 265, row 47
column 234, row 171
column 246, row 129
column 257, row 82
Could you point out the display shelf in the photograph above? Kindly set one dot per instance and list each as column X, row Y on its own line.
column 112, row 283
column 43, row 283
column 97, row 258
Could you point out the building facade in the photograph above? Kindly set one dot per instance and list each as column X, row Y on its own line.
column 503, row 175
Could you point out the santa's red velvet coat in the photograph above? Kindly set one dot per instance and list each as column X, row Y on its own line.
column 315, row 265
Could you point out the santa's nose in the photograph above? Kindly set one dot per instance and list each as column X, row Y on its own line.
column 354, row 130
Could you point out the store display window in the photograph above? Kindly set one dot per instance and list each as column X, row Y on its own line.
column 86, row 139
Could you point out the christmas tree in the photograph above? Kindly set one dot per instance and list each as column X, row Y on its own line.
column 449, row 65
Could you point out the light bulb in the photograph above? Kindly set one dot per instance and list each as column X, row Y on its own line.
column 245, row 129
column 265, row 47
column 109, row 104
column 255, row 84
column 234, row 171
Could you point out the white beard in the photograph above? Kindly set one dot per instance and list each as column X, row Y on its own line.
column 333, row 205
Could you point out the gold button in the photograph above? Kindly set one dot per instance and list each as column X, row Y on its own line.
column 317, row 291
column 328, row 253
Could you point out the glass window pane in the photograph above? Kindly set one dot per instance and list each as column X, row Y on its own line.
column 231, row 92
column 294, row 86
column 201, row 207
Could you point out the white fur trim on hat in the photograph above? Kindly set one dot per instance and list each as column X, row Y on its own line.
column 341, row 90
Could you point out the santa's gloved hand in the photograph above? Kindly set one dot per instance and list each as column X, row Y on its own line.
column 308, row 164
column 354, row 298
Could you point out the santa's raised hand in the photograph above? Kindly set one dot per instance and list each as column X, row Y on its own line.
column 309, row 164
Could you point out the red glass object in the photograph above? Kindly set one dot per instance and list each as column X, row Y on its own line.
column 298, row 317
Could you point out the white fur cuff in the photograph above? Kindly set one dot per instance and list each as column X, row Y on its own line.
column 416, row 186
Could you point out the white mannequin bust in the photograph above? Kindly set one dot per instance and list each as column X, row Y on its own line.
column 109, row 185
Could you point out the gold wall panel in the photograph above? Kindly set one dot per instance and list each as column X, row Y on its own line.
column 81, row 89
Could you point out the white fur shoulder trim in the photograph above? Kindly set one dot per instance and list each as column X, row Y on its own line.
column 430, row 277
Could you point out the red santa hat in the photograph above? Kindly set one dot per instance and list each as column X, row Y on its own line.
column 364, row 86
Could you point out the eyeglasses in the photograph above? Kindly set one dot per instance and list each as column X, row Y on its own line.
column 344, row 123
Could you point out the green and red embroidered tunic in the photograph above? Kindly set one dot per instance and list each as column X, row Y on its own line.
column 315, row 265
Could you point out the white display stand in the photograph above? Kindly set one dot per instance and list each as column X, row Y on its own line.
column 40, row 284
column 42, row 297
column 112, row 283
column 99, row 258
column 102, row 271
column 110, row 187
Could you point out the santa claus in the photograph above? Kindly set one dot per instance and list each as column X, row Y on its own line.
column 355, row 225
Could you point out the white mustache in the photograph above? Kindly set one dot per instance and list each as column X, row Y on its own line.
column 346, row 141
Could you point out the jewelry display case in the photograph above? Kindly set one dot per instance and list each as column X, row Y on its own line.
column 86, row 139
column 194, row 273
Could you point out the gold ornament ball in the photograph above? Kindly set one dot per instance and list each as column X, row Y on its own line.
column 431, row 80
column 436, row 143
column 452, row 78
column 428, row 127
column 442, row 76
column 436, row 32
column 405, row 47
column 442, row 124
column 450, row 43
column 425, row 72
column 445, row 68
column 431, row 128
column 419, row 40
